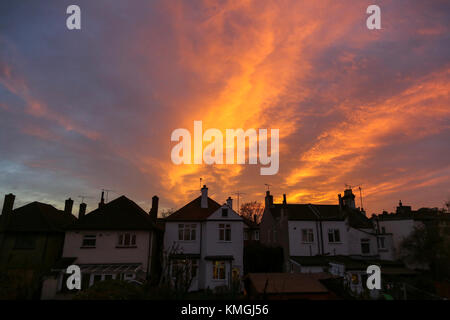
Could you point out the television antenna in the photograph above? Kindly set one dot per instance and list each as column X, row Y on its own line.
column 84, row 197
column 107, row 192
column 238, row 196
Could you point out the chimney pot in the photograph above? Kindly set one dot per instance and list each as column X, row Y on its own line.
column 204, row 199
column 154, row 210
column 82, row 211
column 284, row 198
column 68, row 206
column 269, row 199
column 8, row 203
column 230, row 202
column 102, row 200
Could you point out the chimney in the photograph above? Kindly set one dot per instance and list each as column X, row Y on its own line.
column 102, row 200
column 269, row 199
column 154, row 210
column 230, row 202
column 82, row 211
column 204, row 202
column 349, row 199
column 68, row 206
column 340, row 201
column 8, row 204
column 284, row 198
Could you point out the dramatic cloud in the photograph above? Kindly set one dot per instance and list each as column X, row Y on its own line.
column 92, row 109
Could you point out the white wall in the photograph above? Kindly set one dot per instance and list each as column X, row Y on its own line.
column 400, row 229
column 105, row 250
column 211, row 245
column 299, row 248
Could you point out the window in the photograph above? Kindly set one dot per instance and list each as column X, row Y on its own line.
column 307, row 235
column 25, row 241
column 187, row 232
column 334, row 235
column 224, row 232
column 218, row 270
column 355, row 278
column 181, row 267
column 224, row 212
column 365, row 246
column 381, row 243
column 89, row 241
column 256, row 235
column 275, row 238
column 383, row 230
column 246, row 235
column 127, row 240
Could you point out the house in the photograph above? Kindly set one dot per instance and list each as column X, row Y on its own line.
column 286, row 286
column 209, row 238
column 31, row 241
column 118, row 240
column 403, row 222
column 308, row 230
column 251, row 230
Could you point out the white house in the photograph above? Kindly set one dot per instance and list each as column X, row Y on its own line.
column 316, row 230
column 209, row 237
column 116, row 241
column 405, row 220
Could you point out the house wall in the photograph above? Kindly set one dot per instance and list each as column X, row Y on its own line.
column 354, row 242
column 106, row 250
column 207, row 243
column 299, row 248
column 400, row 229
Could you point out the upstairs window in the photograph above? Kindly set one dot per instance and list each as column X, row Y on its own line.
column 307, row 235
column 224, row 232
column 187, row 232
column 365, row 246
column 127, row 240
column 334, row 235
column 89, row 241
column 224, row 212
column 256, row 235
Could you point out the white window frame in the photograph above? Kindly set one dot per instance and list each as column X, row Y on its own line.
column 332, row 232
column 122, row 240
column 187, row 232
column 89, row 237
column 309, row 235
column 224, row 227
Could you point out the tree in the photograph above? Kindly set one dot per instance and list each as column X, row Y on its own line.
column 250, row 209
column 177, row 272
column 428, row 246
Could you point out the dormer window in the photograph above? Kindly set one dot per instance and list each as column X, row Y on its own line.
column 224, row 212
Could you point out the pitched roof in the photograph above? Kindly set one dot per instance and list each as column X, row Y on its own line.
column 250, row 223
column 36, row 217
column 193, row 211
column 119, row 214
column 311, row 260
column 327, row 212
column 286, row 283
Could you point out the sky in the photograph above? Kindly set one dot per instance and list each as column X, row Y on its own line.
column 91, row 109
